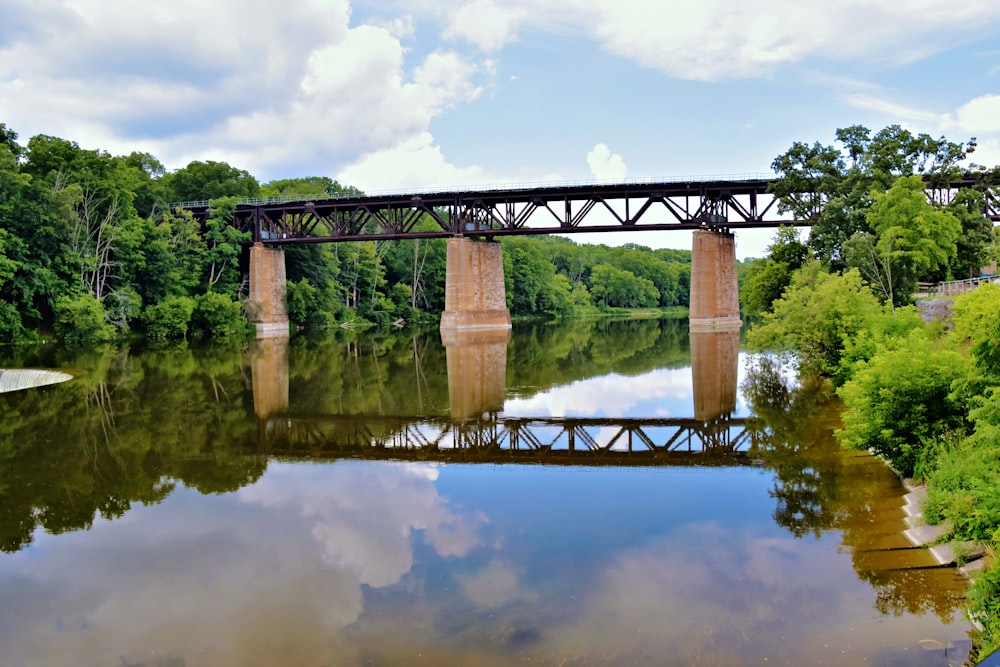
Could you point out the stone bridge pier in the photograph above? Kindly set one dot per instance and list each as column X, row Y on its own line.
column 268, row 310
column 715, row 303
column 474, row 296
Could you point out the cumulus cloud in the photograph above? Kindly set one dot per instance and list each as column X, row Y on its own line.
column 979, row 115
column 716, row 39
column 268, row 88
column 605, row 165
column 416, row 162
column 485, row 23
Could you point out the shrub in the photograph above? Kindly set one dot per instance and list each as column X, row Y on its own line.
column 217, row 315
column 901, row 400
column 82, row 320
column 169, row 318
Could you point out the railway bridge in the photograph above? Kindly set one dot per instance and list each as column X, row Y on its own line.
column 712, row 208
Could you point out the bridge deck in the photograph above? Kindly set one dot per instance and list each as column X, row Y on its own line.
column 720, row 203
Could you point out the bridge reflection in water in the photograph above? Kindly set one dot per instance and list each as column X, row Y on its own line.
column 476, row 430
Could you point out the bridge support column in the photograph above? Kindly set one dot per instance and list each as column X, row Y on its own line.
column 715, row 303
column 477, row 371
column 267, row 291
column 474, row 296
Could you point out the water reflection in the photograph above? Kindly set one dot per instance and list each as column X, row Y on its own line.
column 231, row 523
column 818, row 488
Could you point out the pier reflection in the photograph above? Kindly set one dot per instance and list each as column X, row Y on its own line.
column 477, row 371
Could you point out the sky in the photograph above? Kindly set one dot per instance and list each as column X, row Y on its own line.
column 422, row 94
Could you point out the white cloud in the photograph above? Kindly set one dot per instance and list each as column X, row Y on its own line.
column 980, row 115
column 416, row 162
column 605, row 165
column 495, row 585
column 716, row 39
column 343, row 503
column 485, row 23
column 268, row 87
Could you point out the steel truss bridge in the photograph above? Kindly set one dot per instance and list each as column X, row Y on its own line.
column 739, row 202
column 500, row 439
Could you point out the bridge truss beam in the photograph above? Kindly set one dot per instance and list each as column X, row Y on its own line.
column 714, row 204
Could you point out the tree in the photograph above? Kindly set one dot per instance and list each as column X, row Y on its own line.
column 307, row 186
column 817, row 316
column 201, row 181
column 223, row 245
column 767, row 278
column 913, row 238
column 618, row 288
column 834, row 185
column 975, row 246
column 900, row 402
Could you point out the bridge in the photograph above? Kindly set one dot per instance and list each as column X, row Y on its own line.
column 474, row 292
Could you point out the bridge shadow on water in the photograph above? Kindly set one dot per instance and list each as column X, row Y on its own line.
column 477, row 430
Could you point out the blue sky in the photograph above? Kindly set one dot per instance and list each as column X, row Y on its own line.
column 423, row 93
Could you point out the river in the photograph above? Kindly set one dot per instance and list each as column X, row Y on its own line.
column 605, row 493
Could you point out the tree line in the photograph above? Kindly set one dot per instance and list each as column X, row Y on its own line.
column 923, row 395
column 91, row 251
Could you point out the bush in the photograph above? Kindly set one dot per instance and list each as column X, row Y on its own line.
column 11, row 328
column 304, row 302
column 900, row 401
column 816, row 317
column 169, row 318
column 217, row 315
column 82, row 320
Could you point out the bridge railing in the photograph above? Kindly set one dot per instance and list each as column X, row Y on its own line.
column 955, row 287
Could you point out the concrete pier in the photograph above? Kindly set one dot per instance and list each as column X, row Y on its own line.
column 715, row 302
column 475, row 297
column 268, row 310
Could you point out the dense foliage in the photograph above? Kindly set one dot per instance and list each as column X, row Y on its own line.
column 925, row 399
column 90, row 250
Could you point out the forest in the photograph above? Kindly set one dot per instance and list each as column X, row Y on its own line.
column 91, row 252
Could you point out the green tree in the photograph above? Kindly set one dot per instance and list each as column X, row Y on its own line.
column 766, row 279
column 202, row 181
column 913, row 239
column 833, row 185
column 817, row 316
column 976, row 245
column 82, row 320
column 617, row 288
column 223, row 246
column 169, row 318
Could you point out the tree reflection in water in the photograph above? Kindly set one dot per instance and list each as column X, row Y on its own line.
column 820, row 487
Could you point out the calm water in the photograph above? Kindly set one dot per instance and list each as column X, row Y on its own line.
column 595, row 495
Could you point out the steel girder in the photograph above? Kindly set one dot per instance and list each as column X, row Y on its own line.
column 717, row 204
column 542, row 210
